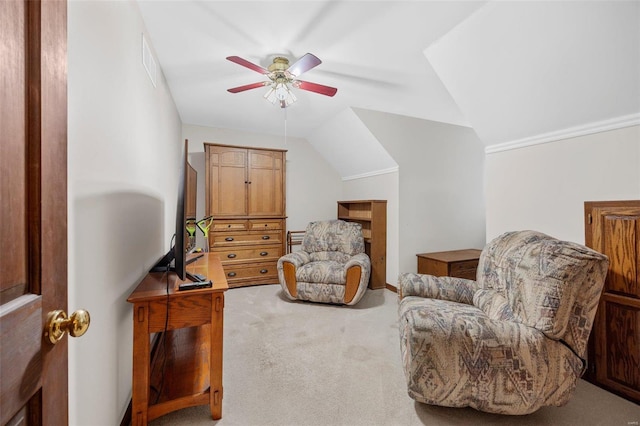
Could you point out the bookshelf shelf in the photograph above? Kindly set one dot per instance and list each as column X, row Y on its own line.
column 372, row 215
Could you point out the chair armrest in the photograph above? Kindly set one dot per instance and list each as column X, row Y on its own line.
column 358, row 271
column 297, row 258
column 360, row 259
column 444, row 288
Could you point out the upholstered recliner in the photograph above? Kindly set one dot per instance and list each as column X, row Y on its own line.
column 512, row 341
column 330, row 267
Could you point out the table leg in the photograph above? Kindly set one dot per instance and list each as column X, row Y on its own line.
column 140, row 386
column 215, row 369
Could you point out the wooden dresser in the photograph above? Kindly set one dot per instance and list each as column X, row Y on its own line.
column 245, row 195
column 455, row 263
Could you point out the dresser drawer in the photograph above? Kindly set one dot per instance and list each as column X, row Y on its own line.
column 257, row 224
column 239, row 254
column 255, row 271
column 225, row 225
column 222, row 239
column 465, row 269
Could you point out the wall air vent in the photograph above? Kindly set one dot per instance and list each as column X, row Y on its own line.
column 148, row 61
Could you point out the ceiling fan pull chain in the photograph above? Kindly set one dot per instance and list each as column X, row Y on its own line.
column 285, row 127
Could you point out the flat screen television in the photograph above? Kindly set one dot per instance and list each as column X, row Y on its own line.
column 177, row 258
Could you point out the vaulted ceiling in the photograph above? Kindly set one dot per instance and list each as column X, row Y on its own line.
column 510, row 70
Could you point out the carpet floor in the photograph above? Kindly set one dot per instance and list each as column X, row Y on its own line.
column 296, row 364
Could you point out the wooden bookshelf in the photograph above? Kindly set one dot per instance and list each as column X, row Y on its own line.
column 372, row 215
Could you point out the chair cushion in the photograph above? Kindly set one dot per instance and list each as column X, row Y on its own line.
column 326, row 272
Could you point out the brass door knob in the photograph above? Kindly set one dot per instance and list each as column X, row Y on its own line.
column 58, row 324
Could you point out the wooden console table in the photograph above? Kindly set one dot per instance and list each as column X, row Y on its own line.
column 455, row 263
column 190, row 356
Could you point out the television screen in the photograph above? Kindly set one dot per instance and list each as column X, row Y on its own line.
column 176, row 259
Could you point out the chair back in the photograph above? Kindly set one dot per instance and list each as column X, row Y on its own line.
column 551, row 285
column 335, row 240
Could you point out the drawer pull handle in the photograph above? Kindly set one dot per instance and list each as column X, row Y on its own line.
column 265, row 237
column 264, row 253
column 229, row 239
column 231, row 274
column 264, row 271
column 231, row 255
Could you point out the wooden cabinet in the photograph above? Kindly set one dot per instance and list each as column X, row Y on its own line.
column 244, row 181
column 613, row 228
column 454, row 263
column 245, row 195
column 372, row 215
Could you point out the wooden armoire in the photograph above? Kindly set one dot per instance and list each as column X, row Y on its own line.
column 613, row 228
column 245, row 195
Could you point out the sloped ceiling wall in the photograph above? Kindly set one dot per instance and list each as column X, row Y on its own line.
column 350, row 147
column 520, row 70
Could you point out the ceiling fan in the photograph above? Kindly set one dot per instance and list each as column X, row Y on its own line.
column 281, row 76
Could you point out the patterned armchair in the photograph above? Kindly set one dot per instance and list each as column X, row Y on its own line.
column 331, row 266
column 512, row 341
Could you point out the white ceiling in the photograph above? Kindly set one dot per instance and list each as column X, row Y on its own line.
column 528, row 69
column 371, row 51
column 510, row 69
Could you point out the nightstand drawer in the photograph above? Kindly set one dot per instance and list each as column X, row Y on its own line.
column 455, row 263
column 466, row 269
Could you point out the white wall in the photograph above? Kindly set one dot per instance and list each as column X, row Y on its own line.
column 381, row 187
column 544, row 187
column 312, row 189
column 124, row 147
column 441, row 200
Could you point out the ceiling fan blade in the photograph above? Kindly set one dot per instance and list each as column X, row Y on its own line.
column 248, row 87
column 304, row 64
column 316, row 88
column 238, row 60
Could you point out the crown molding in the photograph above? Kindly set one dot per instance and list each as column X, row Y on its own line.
column 571, row 132
column 370, row 174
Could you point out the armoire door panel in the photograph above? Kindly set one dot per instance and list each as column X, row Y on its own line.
column 266, row 183
column 231, row 198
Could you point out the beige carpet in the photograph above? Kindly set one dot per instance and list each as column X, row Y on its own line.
column 293, row 363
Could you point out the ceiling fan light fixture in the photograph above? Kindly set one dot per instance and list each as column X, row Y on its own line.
column 282, row 78
column 280, row 94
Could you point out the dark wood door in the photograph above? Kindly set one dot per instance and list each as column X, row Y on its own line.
column 33, row 210
column 613, row 228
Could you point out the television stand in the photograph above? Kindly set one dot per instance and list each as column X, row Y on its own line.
column 192, row 363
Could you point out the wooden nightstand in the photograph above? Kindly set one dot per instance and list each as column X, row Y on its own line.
column 455, row 263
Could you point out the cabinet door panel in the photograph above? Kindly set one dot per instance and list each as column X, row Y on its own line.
column 227, row 181
column 266, row 183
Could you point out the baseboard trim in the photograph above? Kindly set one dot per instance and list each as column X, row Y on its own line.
column 391, row 287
